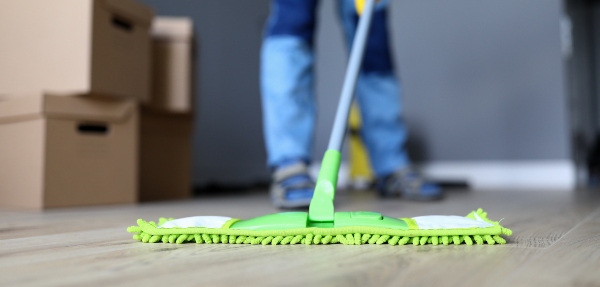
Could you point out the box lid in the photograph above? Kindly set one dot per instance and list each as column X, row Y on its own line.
column 43, row 105
column 140, row 12
column 172, row 28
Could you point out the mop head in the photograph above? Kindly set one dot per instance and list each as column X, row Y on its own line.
column 474, row 228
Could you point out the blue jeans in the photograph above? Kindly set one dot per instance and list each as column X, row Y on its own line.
column 287, row 86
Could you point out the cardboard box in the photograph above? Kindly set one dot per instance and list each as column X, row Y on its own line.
column 75, row 47
column 173, row 72
column 67, row 151
column 165, row 155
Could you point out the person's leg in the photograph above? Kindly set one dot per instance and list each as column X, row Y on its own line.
column 288, row 99
column 378, row 96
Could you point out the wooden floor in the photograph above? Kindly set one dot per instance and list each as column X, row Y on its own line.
column 556, row 242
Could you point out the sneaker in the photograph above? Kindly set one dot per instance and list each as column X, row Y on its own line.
column 407, row 184
column 292, row 186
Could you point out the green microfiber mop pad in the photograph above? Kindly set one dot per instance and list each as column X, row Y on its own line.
column 474, row 228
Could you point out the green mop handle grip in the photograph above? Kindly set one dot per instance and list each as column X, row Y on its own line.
column 321, row 205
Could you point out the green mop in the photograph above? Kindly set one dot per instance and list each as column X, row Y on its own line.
column 321, row 224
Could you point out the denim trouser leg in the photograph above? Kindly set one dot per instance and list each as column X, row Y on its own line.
column 287, row 81
column 378, row 93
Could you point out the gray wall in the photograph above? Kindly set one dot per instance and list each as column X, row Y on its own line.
column 228, row 143
column 481, row 81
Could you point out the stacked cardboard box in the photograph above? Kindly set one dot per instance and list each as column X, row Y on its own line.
column 173, row 68
column 75, row 47
column 65, row 151
column 167, row 118
column 165, row 155
column 72, row 76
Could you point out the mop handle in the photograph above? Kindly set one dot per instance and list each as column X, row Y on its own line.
column 321, row 209
column 338, row 132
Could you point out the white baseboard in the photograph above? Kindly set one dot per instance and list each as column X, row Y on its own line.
column 494, row 175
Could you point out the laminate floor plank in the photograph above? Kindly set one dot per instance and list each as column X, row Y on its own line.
column 556, row 241
column 574, row 260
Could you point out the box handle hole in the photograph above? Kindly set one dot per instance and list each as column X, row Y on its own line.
column 122, row 24
column 96, row 129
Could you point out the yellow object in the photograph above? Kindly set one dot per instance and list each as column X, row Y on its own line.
column 360, row 168
column 359, row 5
